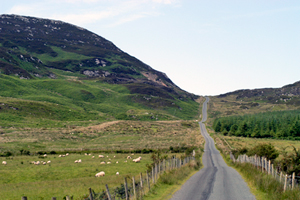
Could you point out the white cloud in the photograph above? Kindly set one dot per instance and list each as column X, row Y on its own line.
column 82, row 12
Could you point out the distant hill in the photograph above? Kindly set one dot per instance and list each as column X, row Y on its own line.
column 48, row 67
column 289, row 94
column 248, row 101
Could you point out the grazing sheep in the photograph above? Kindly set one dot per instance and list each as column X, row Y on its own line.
column 59, row 156
column 90, row 154
column 76, row 161
column 37, row 163
column 102, row 163
column 108, row 162
column 117, row 173
column 79, row 161
column 85, row 154
column 117, row 162
column 48, row 161
column 67, row 154
column 63, row 155
column 101, row 156
column 107, row 156
column 4, row 163
column 125, row 161
column 93, row 156
column 45, row 155
column 128, row 157
column 114, row 156
column 137, row 159
column 102, row 173
column 44, row 163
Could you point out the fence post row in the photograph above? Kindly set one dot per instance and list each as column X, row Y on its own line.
column 268, row 168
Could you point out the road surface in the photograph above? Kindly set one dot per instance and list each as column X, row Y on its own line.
column 216, row 181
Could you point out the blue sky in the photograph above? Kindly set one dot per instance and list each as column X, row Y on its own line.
column 207, row 47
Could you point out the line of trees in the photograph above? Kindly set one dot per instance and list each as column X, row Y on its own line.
column 279, row 124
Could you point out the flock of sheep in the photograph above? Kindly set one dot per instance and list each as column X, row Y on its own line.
column 99, row 174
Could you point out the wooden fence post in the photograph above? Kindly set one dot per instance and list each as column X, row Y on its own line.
column 293, row 180
column 91, row 194
column 153, row 175
column 24, row 198
column 269, row 167
column 133, row 183
column 285, row 183
column 142, row 187
column 108, row 193
column 126, row 189
column 280, row 177
column 148, row 182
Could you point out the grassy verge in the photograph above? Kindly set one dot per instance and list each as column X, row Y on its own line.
column 268, row 188
column 263, row 186
column 170, row 182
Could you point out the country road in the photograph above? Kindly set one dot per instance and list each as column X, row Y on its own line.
column 216, row 181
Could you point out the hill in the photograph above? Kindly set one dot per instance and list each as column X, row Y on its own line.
column 255, row 101
column 54, row 73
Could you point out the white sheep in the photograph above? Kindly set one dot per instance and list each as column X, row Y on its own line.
column 48, row 161
column 4, row 163
column 117, row 162
column 102, row 173
column 45, row 155
column 67, row 154
column 128, row 157
column 79, row 161
column 59, row 156
column 76, row 161
column 44, row 163
column 37, row 163
column 101, row 156
column 117, row 173
column 93, row 156
column 108, row 162
column 137, row 159
column 102, row 163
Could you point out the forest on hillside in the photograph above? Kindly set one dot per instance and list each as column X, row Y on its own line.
column 279, row 124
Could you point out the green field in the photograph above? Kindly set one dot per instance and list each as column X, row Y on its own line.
column 64, row 177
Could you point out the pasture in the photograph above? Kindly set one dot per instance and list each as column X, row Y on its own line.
column 63, row 176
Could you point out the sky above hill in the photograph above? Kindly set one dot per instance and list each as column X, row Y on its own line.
column 206, row 47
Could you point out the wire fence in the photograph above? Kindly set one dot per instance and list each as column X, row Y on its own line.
column 288, row 181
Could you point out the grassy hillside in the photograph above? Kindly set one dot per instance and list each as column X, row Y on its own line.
column 53, row 102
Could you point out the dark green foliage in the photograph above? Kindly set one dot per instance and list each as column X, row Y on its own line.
column 279, row 124
column 264, row 150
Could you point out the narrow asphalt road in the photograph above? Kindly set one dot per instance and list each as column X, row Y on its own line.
column 216, row 181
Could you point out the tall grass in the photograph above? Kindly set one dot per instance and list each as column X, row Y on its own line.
column 266, row 183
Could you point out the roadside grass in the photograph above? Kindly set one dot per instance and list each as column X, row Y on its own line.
column 168, row 183
column 268, row 188
column 263, row 186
